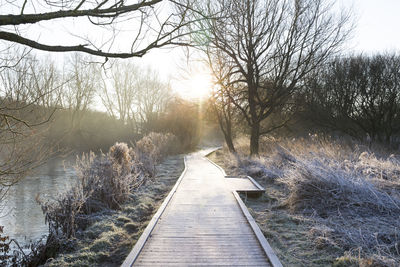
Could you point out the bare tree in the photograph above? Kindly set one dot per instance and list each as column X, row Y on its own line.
column 223, row 109
column 156, row 23
column 141, row 25
column 137, row 96
column 22, row 118
column 220, row 100
column 47, row 84
column 83, row 81
column 273, row 45
column 119, row 92
column 33, row 81
column 152, row 98
column 150, row 24
column 357, row 95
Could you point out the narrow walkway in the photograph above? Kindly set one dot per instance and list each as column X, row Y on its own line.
column 202, row 224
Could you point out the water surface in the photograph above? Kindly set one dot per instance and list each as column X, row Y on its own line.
column 21, row 216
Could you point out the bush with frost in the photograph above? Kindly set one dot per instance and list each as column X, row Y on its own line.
column 104, row 182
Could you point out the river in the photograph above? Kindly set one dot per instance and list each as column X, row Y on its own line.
column 21, row 216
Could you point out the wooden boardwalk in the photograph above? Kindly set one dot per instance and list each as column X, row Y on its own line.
column 202, row 222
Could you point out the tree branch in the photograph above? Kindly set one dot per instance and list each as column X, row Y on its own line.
column 12, row 37
column 107, row 12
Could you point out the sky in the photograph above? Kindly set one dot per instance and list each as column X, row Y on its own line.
column 377, row 25
column 377, row 30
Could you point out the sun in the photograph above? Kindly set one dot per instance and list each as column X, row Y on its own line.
column 195, row 87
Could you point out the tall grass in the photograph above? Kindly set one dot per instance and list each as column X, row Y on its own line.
column 350, row 191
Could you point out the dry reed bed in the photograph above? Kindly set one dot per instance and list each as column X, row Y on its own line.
column 350, row 193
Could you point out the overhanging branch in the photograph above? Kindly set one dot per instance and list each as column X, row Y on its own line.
column 107, row 12
column 12, row 37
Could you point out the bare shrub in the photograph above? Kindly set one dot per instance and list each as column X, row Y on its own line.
column 109, row 178
column 149, row 150
column 13, row 254
column 119, row 153
column 104, row 182
column 64, row 213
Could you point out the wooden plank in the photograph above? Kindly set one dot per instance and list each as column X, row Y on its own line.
column 264, row 243
column 242, row 184
column 147, row 231
column 255, row 183
column 201, row 224
column 216, row 165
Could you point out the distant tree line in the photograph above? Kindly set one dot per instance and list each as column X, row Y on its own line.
column 45, row 109
column 353, row 95
column 358, row 95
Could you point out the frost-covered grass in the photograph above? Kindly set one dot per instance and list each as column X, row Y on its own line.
column 327, row 201
column 99, row 218
column 113, row 233
column 105, row 181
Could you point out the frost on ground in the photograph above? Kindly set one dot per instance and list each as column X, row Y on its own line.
column 97, row 221
column 108, row 241
column 326, row 202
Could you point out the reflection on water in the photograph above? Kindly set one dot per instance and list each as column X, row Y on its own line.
column 21, row 216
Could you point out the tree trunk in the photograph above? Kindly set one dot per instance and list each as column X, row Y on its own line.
column 227, row 134
column 229, row 141
column 254, row 138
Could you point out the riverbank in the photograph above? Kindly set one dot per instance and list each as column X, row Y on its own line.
column 326, row 203
column 21, row 216
column 113, row 234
